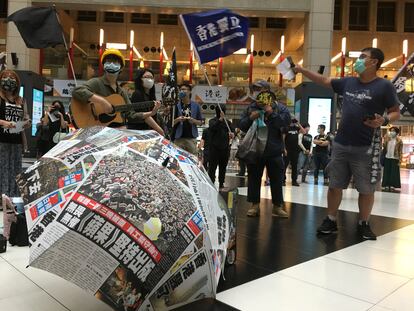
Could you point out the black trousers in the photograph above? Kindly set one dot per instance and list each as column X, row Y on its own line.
column 275, row 170
column 321, row 160
column 220, row 158
column 292, row 159
column 242, row 166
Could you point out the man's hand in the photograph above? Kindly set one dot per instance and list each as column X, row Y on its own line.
column 297, row 69
column 106, row 106
column 221, row 116
column 268, row 109
column 254, row 115
column 307, row 152
column 375, row 123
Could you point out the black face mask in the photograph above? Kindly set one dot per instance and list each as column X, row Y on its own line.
column 8, row 84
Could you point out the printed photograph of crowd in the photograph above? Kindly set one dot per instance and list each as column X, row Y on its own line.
column 138, row 189
column 154, row 149
column 121, row 291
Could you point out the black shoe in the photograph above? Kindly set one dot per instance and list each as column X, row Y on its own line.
column 240, row 174
column 295, row 183
column 327, row 227
column 365, row 231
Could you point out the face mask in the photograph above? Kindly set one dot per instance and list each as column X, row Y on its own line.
column 8, row 84
column 359, row 66
column 255, row 93
column 393, row 134
column 147, row 83
column 112, row 67
column 182, row 94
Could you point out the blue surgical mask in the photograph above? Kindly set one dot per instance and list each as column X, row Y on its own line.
column 182, row 94
column 112, row 67
column 359, row 66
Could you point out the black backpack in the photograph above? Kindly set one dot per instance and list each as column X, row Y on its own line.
column 18, row 232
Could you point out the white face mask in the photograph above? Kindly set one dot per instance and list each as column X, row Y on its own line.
column 393, row 134
column 147, row 83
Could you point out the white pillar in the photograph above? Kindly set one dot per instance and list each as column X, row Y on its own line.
column 318, row 35
column 28, row 58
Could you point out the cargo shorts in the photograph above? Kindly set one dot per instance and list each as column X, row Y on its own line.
column 348, row 161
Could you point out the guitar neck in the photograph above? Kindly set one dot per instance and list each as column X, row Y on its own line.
column 139, row 107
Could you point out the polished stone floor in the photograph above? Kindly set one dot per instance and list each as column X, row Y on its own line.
column 281, row 263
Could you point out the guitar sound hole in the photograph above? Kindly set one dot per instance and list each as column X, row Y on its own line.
column 106, row 118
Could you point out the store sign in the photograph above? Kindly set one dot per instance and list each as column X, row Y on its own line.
column 64, row 88
column 209, row 94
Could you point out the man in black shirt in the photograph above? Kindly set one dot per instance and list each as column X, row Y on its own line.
column 292, row 149
column 305, row 144
column 320, row 154
column 219, row 145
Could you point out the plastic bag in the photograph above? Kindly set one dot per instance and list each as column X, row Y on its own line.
column 252, row 146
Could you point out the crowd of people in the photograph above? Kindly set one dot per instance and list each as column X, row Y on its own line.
column 369, row 102
column 139, row 191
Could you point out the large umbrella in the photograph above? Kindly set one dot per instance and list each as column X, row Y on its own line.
column 128, row 217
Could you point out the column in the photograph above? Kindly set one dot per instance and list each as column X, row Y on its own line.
column 318, row 35
column 28, row 58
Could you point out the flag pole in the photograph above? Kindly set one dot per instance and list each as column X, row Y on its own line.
column 66, row 46
column 209, row 83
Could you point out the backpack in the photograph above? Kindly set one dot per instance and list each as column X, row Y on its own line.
column 18, row 232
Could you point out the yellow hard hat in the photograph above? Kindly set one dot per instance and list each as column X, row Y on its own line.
column 113, row 52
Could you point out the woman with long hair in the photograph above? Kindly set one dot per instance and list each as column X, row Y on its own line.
column 144, row 92
column 13, row 118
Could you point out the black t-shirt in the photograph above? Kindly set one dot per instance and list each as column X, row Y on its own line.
column 307, row 141
column 11, row 113
column 219, row 134
column 321, row 149
column 187, row 126
column 292, row 139
column 54, row 127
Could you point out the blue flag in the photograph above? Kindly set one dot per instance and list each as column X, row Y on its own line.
column 216, row 33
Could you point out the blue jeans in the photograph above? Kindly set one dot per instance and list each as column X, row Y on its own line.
column 303, row 164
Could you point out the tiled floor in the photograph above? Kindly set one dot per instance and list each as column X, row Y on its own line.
column 281, row 263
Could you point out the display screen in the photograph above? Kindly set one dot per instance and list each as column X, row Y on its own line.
column 37, row 109
column 319, row 113
column 21, row 91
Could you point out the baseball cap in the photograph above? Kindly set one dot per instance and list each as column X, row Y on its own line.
column 262, row 84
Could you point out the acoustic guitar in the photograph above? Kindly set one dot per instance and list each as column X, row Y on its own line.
column 89, row 114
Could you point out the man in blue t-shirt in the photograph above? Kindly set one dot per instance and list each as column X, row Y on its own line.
column 365, row 99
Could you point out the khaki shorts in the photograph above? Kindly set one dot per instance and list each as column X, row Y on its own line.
column 351, row 161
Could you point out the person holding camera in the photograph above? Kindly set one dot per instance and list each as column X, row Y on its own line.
column 276, row 117
column 58, row 121
column 292, row 149
column 356, row 147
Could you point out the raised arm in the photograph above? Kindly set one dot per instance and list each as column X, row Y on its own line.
column 314, row 76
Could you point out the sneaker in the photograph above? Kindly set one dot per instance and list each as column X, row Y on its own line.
column 278, row 211
column 327, row 227
column 254, row 210
column 295, row 183
column 365, row 231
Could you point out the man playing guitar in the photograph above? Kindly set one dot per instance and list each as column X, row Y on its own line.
column 95, row 89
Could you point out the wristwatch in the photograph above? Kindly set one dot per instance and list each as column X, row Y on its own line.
column 386, row 121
